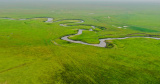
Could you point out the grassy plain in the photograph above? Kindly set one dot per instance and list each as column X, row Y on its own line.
column 31, row 51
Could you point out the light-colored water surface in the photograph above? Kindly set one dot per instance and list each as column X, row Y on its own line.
column 102, row 42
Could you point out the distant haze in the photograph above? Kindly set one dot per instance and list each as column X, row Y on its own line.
column 89, row 0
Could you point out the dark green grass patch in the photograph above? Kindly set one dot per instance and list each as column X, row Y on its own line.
column 142, row 29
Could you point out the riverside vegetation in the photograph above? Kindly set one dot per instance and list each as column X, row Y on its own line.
column 32, row 51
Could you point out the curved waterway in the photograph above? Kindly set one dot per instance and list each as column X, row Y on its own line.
column 102, row 42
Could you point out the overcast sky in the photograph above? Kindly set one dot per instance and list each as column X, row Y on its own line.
column 82, row 0
column 75, row 1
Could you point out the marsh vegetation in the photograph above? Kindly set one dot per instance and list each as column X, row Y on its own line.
column 32, row 51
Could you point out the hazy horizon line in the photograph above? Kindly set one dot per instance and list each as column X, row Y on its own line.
column 81, row 0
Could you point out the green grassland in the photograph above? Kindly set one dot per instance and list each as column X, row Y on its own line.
column 31, row 51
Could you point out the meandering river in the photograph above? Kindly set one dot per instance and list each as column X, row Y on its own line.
column 102, row 42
